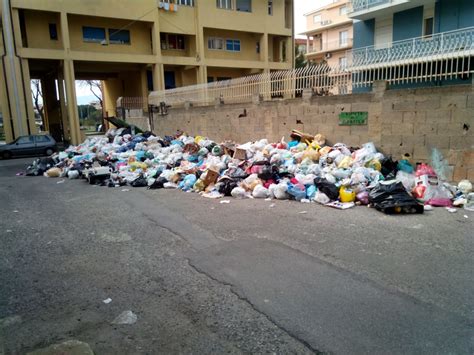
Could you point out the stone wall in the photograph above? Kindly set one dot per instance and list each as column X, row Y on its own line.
column 400, row 121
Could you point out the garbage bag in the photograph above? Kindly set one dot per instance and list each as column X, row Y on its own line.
column 391, row 197
column 321, row 198
column 140, row 181
column 226, row 186
column 298, row 191
column 260, row 192
column 53, row 172
column 158, row 183
column 238, row 192
column 279, row 191
column 329, row 189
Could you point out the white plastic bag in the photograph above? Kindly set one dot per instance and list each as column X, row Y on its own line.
column 260, row 192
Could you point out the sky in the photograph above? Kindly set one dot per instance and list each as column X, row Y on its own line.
column 302, row 7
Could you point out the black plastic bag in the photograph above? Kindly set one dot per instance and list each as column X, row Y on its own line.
column 226, row 186
column 329, row 189
column 391, row 197
column 389, row 168
column 158, row 183
column 140, row 181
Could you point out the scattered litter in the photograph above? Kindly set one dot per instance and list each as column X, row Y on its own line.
column 9, row 231
column 126, row 317
column 21, row 173
column 107, row 300
column 303, row 212
column 303, row 168
column 272, row 205
column 466, row 216
column 15, row 211
column 60, row 182
column 340, row 205
column 452, row 210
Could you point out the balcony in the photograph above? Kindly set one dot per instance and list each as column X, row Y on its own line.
column 440, row 46
column 365, row 9
column 330, row 46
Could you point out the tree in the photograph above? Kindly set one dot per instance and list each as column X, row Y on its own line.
column 37, row 95
column 300, row 60
column 95, row 88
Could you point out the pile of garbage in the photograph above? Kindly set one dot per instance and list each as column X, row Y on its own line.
column 304, row 169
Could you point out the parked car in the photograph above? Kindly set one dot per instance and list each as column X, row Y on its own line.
column 29, row 145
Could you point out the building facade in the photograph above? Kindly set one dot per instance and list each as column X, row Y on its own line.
column 329, row 34
column 133, row 46
column 413, row 41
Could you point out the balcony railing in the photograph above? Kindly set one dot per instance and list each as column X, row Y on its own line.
column 440, row 45
column 331, row 46
column 359, row 5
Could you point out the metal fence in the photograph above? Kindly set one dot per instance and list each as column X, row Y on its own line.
column 440, row 57
column 320, row 79
column 132, row 107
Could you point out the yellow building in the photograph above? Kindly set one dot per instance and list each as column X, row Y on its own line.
column 133, row 46
column 329, row 33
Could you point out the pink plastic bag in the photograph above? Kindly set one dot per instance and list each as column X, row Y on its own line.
column 425, row 169
column 439, row 202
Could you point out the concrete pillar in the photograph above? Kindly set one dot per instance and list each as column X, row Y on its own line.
column 5, row 107
column 16, row 93
column 65, row 33
column 73, row 116
column 51, row 107
column 30, row 112
column 63, row 107
column 158, row 77
column 202, row 74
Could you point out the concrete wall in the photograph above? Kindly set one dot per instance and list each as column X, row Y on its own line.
column 400, row 121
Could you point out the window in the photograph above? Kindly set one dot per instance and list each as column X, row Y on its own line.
column 270, row 7
column 428, row 27
column 210, row 79
column 215, row 43
column 343, row 38
column 42, row 139
column 185, row 2
column 119, row 36
column 93, row 34
column 223, row 78
column 224, row 4
column 53, row 31
column 317, row 19
column 342, row 10
column 233, row 45
column 257, row 47
column 244, row 5
column 343, row 62
column 25, row 140
column 171, row 41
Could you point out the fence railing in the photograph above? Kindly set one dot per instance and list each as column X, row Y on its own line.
column 442, row 45
column 330, row 45
column 320, row 79
column 444, row 56
column 132, row 107
column 359, row 5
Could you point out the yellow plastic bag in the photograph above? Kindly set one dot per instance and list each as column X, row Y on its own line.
column 197, row 139
column 345, row 163
column 346, row 194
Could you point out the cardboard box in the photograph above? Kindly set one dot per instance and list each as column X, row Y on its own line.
column 240, row 154
column 211, row 177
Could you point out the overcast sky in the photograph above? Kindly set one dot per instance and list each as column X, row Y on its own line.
column 302, row 7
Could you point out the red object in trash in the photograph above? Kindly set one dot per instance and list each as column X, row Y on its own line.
column 424, row 169
column 419, row 191
column 439, row 202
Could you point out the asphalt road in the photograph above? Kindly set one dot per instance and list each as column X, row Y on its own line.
column 249, row 276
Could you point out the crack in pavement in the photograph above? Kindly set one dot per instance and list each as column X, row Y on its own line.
column 254, row 307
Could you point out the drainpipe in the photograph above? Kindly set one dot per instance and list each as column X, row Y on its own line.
column 10, row 53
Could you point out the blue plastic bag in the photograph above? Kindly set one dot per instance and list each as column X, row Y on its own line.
column 310, row 191
column 298, row 191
